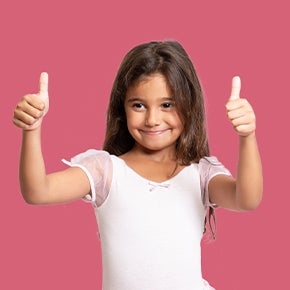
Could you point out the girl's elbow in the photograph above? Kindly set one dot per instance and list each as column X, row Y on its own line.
column 32, row 198
column 250, row 205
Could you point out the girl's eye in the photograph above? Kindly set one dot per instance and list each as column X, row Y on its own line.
column 167, row 105
column 138, row 106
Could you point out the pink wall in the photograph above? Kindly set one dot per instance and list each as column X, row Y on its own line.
column 80, row 44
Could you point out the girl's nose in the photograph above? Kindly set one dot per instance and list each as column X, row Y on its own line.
column 152, row 118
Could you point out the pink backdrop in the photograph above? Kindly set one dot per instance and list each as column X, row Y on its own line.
column 81, row 44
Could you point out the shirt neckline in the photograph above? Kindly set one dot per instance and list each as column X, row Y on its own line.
column 164, row 182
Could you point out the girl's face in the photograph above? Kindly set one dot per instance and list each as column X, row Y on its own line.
column 152, row 118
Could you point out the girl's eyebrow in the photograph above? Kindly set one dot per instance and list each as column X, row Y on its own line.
column 135, row 99
column 131, row 100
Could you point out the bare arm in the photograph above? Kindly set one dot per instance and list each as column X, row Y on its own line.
column 37, row 186
column 244, row 193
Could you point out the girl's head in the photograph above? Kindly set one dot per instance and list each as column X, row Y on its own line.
column 169, row 59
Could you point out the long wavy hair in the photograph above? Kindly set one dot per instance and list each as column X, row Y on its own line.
column 171, row 60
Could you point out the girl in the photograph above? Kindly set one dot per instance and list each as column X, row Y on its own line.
column 154, row 181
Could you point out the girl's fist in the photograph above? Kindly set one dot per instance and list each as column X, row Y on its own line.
column 32, row 108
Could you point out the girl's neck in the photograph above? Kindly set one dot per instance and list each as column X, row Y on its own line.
column 164, row 155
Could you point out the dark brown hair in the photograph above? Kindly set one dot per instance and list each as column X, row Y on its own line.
column 169, row 59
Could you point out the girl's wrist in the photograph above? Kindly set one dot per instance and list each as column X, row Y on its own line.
column 31, row 132
column 251, row 135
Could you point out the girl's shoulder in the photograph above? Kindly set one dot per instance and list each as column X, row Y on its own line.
column 210, row 166
column 90, row 155
column 97, row 163
column 209, row 161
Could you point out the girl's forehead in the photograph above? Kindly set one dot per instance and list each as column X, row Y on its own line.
column 154, row 83
column 148, row 81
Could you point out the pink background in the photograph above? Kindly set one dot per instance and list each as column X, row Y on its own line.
column 81, row 44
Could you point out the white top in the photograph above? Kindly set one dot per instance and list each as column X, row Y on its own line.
column 150, row 232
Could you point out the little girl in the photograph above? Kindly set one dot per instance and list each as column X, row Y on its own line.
column 154, row 180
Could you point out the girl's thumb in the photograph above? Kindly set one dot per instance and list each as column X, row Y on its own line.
column 43, row 84
column 43, row 90
column 236, row 88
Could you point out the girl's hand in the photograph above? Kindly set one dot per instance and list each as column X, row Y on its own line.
column 240, row 112
column 32, row 108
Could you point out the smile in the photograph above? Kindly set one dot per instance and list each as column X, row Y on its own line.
column 154, row 133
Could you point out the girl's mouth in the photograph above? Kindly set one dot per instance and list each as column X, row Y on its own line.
column 154, row 132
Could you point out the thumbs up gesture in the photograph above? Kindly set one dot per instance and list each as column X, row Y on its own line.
column 32, row 108
column 240, row 112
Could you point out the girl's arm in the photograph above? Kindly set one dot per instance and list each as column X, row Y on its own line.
column 37, row 187
column 244, row 193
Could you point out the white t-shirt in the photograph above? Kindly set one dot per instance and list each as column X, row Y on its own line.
column 150, row 232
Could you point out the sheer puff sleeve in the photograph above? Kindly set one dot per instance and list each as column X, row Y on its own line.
column 97, row 165
column 208, row 168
